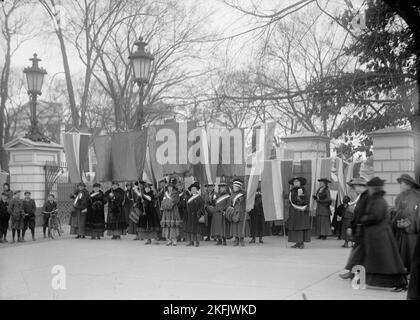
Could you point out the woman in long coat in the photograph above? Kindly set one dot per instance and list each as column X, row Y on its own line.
column 406, row 222
column 298, row 222
column 128, row 204
column 220, row 227
column 95, row 219
column 78, row 216
column 116, row 223
column 240, row 229
column 382, row 261
column 257, row 218
column 323, row 211
column 171, row 220
column 148, row 225
column 194, row 230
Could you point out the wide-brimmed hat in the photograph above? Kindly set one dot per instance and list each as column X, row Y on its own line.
column 346, row 199
column 26, row 192
column 324, row 180
column 376, row 182
column 162, row 180
column 96, row 185
column 409, row 179
column 81, row 184
column 301, row 179
column 357, row 182
column 196, row 185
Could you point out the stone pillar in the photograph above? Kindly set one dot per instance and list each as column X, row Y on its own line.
column 393, row 155
column 307, row 146
column 27, row 161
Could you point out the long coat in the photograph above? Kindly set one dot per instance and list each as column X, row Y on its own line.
column 239, row 229
column 298, row 220
column 95, row 219
column 257, row 217
column 407, row 206
column 78, row 216
column 29, row 207
column 16, row 212
column 220, row 227
column 195, row 209
column 115, row 219
column 149, row 221
column 4, row 215
column 171, row 219
column 323, row 212
column 381, row 252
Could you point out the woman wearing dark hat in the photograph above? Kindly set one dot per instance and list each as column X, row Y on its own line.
column 406, row 222
column 116, row 223
column 346, row 215
column 171, row 220
column 78, row 216
column 95, row 219
column 148, row 224
column 195, row 210
column 323, row 211
column 381, row 259
column 17, row 214
column 257, row 217
column 220, row 226
column 298, row 222
column 128, row 204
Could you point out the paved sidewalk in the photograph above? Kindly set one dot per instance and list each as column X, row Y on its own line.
column 127, row 269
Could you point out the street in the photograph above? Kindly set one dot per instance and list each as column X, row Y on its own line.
column 127, row 269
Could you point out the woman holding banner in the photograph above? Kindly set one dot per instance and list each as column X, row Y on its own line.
column 298, row 222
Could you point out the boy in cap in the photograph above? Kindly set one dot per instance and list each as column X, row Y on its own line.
column 29, row 208
column 4, row 216
column 16, row 211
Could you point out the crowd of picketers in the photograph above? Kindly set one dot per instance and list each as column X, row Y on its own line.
column 385, row 242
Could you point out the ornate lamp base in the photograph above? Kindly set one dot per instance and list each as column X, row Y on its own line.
column 36, row 135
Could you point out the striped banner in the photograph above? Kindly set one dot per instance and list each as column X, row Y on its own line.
column 231, row 169
column 272, row 190
column 342, row 189
column 76, row 146
column 263, row 139
column 204, row 171
column 321, row 168
column 102, row 146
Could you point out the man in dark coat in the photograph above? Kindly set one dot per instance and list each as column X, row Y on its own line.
column 116, row 223
column 298, row 222
column 95, row 219
column 78, row 216
column 149, row 223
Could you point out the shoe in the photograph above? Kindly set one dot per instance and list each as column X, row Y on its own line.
column 295, row 246
column 301, row 246
column 78, row 237
column 190, row 244
column 169, row 243
column 319, row 238
column 219, row 242
column 252, row 240
column 236, row 243
column 346, row 276
column 83, row 237
column 197, row 244
column 207, row 239
column 224, row 242
column 345, row 245
column 261, row 241
column 174, row 243
column 399, row 289
column 242, row 243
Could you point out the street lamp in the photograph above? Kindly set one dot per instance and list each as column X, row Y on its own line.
column 141, row 62
column 34, row 78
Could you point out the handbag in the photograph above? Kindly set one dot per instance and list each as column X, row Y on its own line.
column 202, row 219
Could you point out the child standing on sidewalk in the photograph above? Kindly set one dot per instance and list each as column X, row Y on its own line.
column 346, row 215
column 29, row 208
column 16, row 211
column 4, row 216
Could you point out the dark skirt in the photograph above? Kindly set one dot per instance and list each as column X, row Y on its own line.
column 299, row 236
column 386, row 280
column 346, row 224
column 323, row 226
column 257, row 225
column 78, row 223
column 356, row 257
column 406, row 244
column 190, row 236
column 4, row 223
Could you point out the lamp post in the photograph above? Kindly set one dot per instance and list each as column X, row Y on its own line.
column 141, row 62
column 34, row 78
